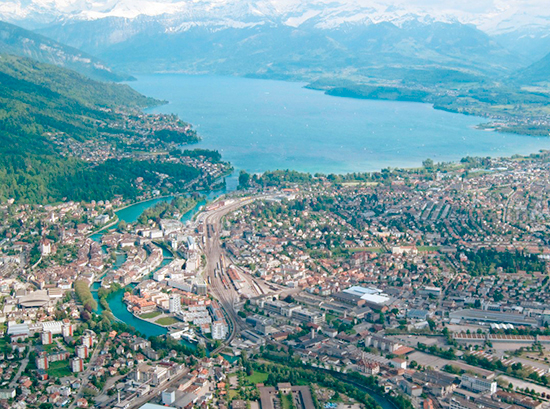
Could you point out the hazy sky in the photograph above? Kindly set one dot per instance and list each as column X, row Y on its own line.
column 470, row 6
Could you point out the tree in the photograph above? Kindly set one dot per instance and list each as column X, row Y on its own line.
column 428, row 164
column 244, row 179
column 122, row 226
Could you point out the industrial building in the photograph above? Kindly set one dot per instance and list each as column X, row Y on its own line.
column 363, row 296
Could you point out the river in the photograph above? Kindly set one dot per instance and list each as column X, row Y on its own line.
column 130, row 214
column 261, row 125
column 115, row 300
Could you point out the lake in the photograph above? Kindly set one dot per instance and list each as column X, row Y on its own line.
column 261, row 125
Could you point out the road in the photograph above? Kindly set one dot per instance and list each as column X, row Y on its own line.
column 87, row 372
column 22, row 367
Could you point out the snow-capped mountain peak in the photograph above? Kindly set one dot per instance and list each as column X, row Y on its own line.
column 498, row 16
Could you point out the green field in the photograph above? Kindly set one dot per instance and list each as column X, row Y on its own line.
column 150, row 315
column 286, row 402
column 257, row 377
column 428, row 248
column 59, row 369
column 167, row 321
column 49, row 348
column 4, row 345
column 369, row 249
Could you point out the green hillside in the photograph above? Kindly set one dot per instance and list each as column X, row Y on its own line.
column 40, row 101
column 69, row 84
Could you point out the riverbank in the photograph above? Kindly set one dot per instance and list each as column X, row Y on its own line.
column 115, row 299
column 142, row 201
column 121, row 313
column 106, row 227
column 158, row 315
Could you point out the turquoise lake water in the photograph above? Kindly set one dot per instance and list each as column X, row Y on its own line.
column 263, row 125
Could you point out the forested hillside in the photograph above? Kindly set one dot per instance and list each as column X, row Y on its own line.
column 41, row 104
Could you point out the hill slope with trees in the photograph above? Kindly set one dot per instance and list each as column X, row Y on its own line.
column 41, row 103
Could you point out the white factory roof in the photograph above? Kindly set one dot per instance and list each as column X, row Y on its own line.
column 14, row 328
column 153, row 406
column 369, row 294
column 359, row 291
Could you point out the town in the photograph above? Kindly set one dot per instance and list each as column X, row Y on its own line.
column 422, row 288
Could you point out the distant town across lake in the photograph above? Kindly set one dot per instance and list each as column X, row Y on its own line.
column 261, row 125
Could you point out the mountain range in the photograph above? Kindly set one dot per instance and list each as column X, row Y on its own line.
column 276, row 50
column 495, row 17
column 18, row 41
column 292, row 39
column 538, row 72
column 343, row 47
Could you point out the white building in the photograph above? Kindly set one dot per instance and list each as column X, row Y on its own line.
column 7, row 393
column 181, row 285
column 46, row 338
column 168, row 396
column 45, row 247
column 55, row 327
column 398, row 363
column 67, row 330
column 88, row 339
column 77, row 364
column 159, row 276
column 219, row 330
column 18, row 330
column 408, row 250
column 479, row 385
column 101, row 219
column 82, row 351
column 174, row 305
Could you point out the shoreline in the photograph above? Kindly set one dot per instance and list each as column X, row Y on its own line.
column 441, row 142
column 309, row 83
